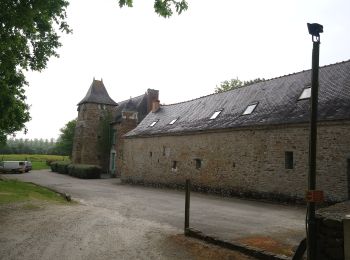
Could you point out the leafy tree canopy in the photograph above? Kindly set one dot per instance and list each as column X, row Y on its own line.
column 162, row 7
column 64, row 144
column 235, row 83
column 28, row 38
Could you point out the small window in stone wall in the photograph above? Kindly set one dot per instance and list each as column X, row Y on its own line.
column 174, row 166
column 198, row 163
column 289, row 161
column 150, row 154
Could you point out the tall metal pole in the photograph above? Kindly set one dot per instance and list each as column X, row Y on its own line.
column 311, row 241
column 314, row 29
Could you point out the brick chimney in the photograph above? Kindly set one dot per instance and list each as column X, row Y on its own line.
column 152, row 95
column 155, row 106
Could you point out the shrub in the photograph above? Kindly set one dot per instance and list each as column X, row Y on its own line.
column 85, row 171
column 82, row 171
column 48, row 162
column 53, row 166
column 60, row 167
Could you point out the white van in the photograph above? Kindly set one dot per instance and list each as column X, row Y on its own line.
column 13, row 166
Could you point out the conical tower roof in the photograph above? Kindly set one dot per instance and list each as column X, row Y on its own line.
column 98, row 94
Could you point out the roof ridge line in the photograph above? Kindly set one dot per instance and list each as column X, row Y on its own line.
column 130, row 98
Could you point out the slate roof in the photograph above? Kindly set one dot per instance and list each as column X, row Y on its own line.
column 138, row 104
column 97, row 93
column 277, row 101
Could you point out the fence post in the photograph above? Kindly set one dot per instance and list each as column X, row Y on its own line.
column 187, row 205
column 346, row 227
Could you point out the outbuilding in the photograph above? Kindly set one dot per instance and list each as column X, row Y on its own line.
column 251, row 140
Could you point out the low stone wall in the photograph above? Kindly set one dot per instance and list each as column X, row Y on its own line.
column 330, row 241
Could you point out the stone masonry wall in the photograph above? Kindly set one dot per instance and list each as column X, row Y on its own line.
column 244, row 160
column 330, row 240
column 121, row 129
column 85, row 145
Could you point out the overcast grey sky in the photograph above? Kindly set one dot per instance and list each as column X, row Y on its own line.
column 185, row 56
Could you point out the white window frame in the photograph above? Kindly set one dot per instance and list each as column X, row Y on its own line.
column 250, row 109
column 216, row 114
column 306, row 94
column 173, row 121
column 153, row 123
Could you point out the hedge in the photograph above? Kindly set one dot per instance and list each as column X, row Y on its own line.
column 82, row 171
column 60, row 167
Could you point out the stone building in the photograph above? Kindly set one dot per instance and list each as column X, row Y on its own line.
column 127, row 116
column 252, row 140
column 92, row 110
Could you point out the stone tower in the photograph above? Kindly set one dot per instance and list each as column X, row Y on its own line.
column 92, row 110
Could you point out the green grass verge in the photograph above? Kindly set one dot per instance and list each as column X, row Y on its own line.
column 16, row 191
column 38, row 160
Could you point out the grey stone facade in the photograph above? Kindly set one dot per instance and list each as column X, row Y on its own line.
column 93, row 109
column 127, row 116
column 244, row 160
column 91, row 112
column 252, row 141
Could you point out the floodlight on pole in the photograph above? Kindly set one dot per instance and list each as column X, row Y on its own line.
column 312, row 195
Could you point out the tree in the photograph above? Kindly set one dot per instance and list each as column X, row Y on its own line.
column 104, row 139
column 64, row 144
column 235, row 83
column 162, row 7
column 28, row 38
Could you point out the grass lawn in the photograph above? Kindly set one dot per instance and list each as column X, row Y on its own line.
column 38, row 160
column 16, row 191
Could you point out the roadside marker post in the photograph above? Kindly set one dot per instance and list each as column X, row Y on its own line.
column 187, row 205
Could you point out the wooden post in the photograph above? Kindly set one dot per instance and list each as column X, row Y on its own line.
column 187, row 205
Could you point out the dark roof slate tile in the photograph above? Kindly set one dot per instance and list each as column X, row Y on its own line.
column 98, row 94
column 277, row 104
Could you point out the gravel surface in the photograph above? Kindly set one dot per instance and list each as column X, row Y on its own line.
column 114, row 221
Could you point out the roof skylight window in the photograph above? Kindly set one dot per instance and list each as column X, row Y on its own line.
column 250, row 109
column 173, row 121
column 305, row 94
column 215, row 115
column 153, row 123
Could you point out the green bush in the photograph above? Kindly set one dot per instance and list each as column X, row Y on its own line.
column 82, row 171
column 60, row 167
column 53, row 166
column 85, row 171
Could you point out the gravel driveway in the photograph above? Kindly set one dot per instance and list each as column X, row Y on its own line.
column 115, row 221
